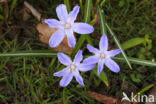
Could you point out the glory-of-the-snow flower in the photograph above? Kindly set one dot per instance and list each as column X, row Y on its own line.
column 103, row 56
column 72, row 69
column 66, row 26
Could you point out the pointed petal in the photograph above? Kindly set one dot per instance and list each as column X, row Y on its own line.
column 73, row 14
column 64, row 59
column 112, row 65
column 92, row 49
column 85, row 67
column 71, row 38
column 91, row 60
column 100, row 66
column 61, row 11
column 82, row 28
column 78, row 57
column 112, row 53
column 53, row 23
column 56, row 38
column 78, row 77
column 66, row 79
column 61, row 73
column 103, row 45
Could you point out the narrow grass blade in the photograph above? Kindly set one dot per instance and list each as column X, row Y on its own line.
column 35, row 53
column 144, row 90
column 81, row 6
column 102, row 3
column 137, row 61
column 78, row 46
column 87, row 14
column 102, row 21
column 66, row 2
column 102, row 76
column 87, row 9
column 118, row 44
column 13, row 4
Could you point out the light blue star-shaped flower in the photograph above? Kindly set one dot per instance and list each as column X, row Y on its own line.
column 103, row 56
column 72, row 69
column 66, row 26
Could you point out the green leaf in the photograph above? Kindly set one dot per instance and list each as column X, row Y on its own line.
column 132, row 43
column 102, row 21
column 118, row 44
column 135, row 78
column 137, row 61
column 87, row 14
column 66, row 2
column 102, row 76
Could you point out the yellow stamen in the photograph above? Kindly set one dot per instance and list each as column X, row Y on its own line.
column 72, row 67
column 67, row 26
column 102, row 55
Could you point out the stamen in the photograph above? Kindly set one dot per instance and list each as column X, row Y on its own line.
column 72, row 67
column 67, row 26
column 102, row 55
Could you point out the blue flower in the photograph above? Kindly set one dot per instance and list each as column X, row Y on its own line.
column 66, row 26
column 72, row 69
column 103, row 56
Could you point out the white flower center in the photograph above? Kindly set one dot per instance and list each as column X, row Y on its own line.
column 72, row 67
column 67, row 26
column 102, row 55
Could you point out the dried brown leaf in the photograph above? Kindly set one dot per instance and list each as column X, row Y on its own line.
column 102, row 98
column 2, row 1
column 45, row 32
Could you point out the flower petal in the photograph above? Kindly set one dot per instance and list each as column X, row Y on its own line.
column 78, row 77
column 100, row 66
column 92, row 49
column 61, row 73
column 66, row 79
column 103, row 45
column 112, row 53
column 61, row 11
column 73, row 14
column 64, row 59
column 78, row 56
column 71, row 38
column 112, row 65
column 82, row 28
column 91, row 60
column 56, row 38
column 85, row 67
column 53, row 23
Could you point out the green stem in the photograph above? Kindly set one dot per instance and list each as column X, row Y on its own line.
column 64, row 95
